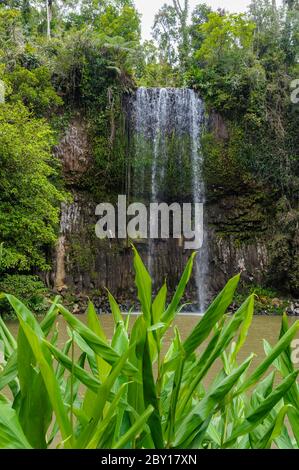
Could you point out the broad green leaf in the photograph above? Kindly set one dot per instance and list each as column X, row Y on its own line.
column 11, row 433
column 171, row 310
column 100, row 400
column 276, row 429
column 226, row 335
column 34, row 337
column 214, row 313
column 137, row 342
column 144, row 286
column 120, row 340
column 85, row 378
column 192, row 423
column 8, row 339
column 259, row 414
column 276, row 351
column 159, row 304
column 285, row 366
column 50, row 317
column 35, row 408
column 10, row 371
column 135, row 430
column 244, row 331
column 150, row 397
column 103, row 425
column 94, row 342
column 94, row 323
column 116, row 313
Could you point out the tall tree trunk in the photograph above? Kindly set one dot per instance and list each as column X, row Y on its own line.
column 182, row 12
column 49, row 17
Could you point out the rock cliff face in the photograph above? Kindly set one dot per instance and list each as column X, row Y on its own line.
column 74, row 150
column 247, row 233
column 231, row 251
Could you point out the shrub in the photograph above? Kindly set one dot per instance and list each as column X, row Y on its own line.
column 29, row 195
column 34, row 89
column 29, row 289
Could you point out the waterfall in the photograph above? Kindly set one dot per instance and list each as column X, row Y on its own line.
column 198, row 188
column 167, row 163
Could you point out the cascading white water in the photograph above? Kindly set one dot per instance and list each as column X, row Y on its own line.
column 168, row 127
column 198, row 188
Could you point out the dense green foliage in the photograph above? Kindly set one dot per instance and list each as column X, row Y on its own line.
column 244, row 69
column 29, row 289
column 28, row 205
column 243, row 66
column 131, row 393
column 78, row 61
